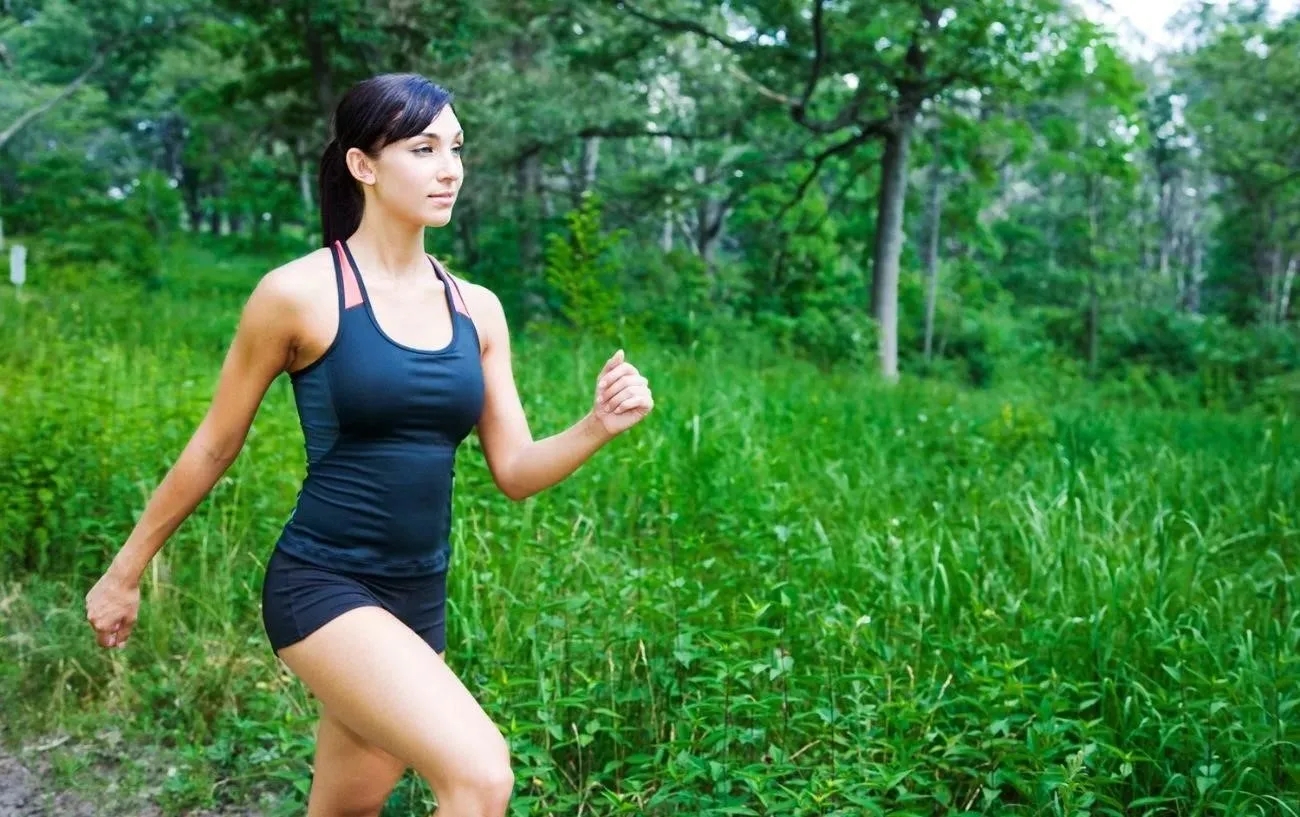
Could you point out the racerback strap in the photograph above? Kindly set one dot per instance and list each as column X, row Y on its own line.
column 351, row 290
column 448, row 279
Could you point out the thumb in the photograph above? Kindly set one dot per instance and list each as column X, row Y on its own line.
column 613, row 361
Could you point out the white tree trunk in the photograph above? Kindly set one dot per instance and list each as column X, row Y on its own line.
column 1284, row 301
column 934, row 216
column 889, row 243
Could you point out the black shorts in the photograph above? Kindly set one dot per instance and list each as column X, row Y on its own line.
column 298, row 597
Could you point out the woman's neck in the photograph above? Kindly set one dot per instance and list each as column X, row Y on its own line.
column 391, row 249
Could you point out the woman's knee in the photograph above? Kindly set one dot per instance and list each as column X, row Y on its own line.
column 481, row 784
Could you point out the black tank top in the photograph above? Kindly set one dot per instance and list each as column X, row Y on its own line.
column 381, row 423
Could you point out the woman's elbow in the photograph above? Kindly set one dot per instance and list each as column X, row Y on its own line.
column 513, row 493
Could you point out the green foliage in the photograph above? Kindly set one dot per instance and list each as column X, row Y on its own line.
column 580, row 269
column 676, row 296
column 997, row 598
column 80, row 231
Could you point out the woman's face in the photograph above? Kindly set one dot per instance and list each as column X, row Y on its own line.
column 417, row 179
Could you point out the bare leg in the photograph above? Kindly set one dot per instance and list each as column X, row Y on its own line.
column 383, row 682
column 351, row 776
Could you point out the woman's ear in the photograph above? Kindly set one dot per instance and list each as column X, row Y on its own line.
column 360, row 165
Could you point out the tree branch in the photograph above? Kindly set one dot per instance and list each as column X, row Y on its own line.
column 763, row 90
column 630, row 131
column 847, row 116
column 690, row 26
column 868, row 131
column 64, row 93
column 819, row 55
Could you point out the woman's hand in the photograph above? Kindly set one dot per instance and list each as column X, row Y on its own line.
column 622, row 396
column 112, row 607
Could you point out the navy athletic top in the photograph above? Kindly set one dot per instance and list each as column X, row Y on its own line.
column 381, row 422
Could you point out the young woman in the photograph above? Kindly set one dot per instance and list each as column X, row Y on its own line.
column 393, row 362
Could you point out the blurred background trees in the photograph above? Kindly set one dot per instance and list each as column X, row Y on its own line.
column 983, row 190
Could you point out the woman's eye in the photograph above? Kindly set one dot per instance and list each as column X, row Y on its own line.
column 425, row 148
column 457, row 149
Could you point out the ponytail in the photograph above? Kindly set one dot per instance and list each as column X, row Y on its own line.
column 340, row 200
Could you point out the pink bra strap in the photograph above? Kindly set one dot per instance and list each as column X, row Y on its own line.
column 351, row 291
column 457, row 298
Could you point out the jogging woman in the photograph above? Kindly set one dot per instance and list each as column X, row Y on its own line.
column 393, row 362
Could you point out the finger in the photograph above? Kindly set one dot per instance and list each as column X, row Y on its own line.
column 109, row 634
column 616, row 359
column 628, row 394
column 615, row 374
column 622, row 384
column 629, row 402
column 639, row 400
column 613, row 386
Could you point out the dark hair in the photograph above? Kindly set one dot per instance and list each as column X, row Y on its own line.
column 373, row 113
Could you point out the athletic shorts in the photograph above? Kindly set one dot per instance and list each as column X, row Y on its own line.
column 298, row 597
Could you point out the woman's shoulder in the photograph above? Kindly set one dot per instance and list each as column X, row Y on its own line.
column 305, row 281
column 485, row 311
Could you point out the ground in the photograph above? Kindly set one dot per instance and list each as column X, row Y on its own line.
column 26, row 789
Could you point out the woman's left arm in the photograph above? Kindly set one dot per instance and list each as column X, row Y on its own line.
column 520, row 465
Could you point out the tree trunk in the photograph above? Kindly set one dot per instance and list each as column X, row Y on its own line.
column 527, row 182
column 1193, row 298
column 317, row 58
column 586, row 176
column 466, row 223
column 306, row 188
column 1274, row 283
column 191, row 189
column 1284, row 300
column 1051, row 226
column 215, row 190
column 1094, row 296
column 934, row 214
column 1167, row 227
column 889, row 242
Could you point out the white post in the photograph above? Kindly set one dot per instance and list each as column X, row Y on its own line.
column 18, row 264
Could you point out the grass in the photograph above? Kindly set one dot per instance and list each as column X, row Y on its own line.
column 787, row 592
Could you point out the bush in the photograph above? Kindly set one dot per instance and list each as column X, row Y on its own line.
column 106, row 237
column 580, row 269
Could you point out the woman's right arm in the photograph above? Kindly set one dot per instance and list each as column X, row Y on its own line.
column 263, row 347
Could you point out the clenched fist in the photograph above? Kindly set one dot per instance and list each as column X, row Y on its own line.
column 622, row 395
column 112, row 607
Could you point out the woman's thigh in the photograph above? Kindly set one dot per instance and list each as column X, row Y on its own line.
column 351, row 777
column 387, row 685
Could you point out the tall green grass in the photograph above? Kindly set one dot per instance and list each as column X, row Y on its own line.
column 787, row 592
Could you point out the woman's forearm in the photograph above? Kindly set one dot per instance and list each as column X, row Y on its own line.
column 543, row 463
column 190, row 479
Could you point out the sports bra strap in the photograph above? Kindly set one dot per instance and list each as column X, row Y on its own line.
column 457, row 298
column 351, row 291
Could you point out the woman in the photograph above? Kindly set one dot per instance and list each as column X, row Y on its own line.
column 393, row 362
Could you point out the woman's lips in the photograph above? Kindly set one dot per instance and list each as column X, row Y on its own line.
column 443, row 198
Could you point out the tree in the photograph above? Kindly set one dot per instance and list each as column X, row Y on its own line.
column 858, row 82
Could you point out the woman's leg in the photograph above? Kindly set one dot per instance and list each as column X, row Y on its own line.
column 387, row 685
column 351, row 777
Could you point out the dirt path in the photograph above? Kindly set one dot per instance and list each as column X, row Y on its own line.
column 24, row 794
column 26, row 790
